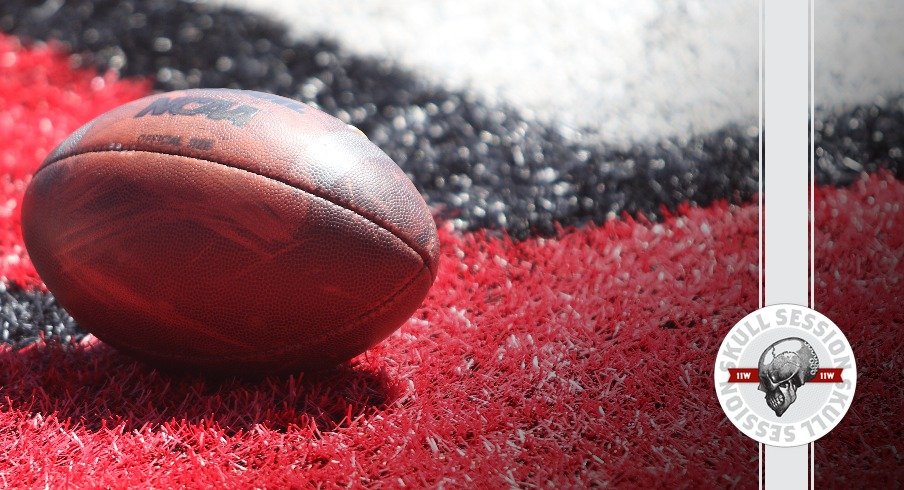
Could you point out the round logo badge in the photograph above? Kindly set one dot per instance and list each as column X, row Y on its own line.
column 785, row 375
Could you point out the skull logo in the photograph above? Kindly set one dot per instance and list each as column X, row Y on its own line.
column 784, row 367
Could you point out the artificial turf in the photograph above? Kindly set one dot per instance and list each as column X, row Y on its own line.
column 569, row 360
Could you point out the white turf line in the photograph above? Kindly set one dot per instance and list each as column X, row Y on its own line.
column 631, row 70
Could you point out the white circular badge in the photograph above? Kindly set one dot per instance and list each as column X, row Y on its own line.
column 785, row 375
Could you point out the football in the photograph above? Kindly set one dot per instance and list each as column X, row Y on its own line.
column 229, row 231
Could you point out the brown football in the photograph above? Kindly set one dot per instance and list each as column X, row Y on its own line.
column 229, row 231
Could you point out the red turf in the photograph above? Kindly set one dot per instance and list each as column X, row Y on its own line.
column 548, row 360
column 581, row 359
column 859, row 284
column 42, row 100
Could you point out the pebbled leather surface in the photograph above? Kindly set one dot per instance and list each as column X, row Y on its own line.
column 288, row 242
column 284, row 140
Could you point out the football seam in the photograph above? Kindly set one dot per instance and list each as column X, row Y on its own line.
column 362, row 318
column 425, row 255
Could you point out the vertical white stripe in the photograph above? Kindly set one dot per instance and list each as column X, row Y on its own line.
column 812, row 149
column 786, row 192
column 762, row 178
column 762, row 175
column 760, row 469
column 787, row 153
column 812, row 183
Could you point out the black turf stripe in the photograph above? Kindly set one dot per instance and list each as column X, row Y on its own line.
column 481, row 166
column 862, row 139
column 27, row 316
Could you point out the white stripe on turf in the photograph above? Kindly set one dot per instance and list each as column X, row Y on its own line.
column 631, row 70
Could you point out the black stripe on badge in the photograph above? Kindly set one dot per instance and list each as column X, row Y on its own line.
column 481, row 166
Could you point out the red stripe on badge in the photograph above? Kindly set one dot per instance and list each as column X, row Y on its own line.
column 827, row 375
column 743, row 375
column 752, row 375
